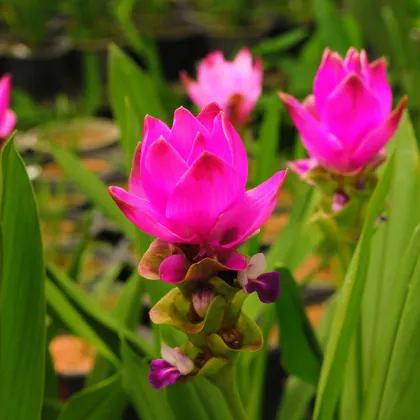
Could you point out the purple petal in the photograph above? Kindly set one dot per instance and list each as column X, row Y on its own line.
column 162, row 374
column 267, row 287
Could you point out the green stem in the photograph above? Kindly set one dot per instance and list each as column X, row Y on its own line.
column 225, row 381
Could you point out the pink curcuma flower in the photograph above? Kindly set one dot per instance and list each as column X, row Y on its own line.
column 348, row 120
column 7, row 116
column 187, row 186
column 235, row 85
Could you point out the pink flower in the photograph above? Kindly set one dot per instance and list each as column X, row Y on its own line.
column 187, row 186
column 7, row 116
column 234, row 85
column 348, row 120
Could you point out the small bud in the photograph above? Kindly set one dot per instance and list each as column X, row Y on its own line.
column 201, row 300
column 339, row 201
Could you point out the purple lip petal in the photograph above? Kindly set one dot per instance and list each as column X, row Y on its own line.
column 267, row 287
column 162, row 374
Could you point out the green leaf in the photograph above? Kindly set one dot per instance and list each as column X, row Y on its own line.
column 385, row 289
column 130, row 88
column 92, row 83
column 400, row 395
column 296, row 399
column 294, row 243
column 77, row 257
column 108, row 328
column 347, row 313
column 185, row 403
column 330, row 26
column 300, row 351
column 103, row 401
column 148, row 402
column 298, row 393
column 377, row 400
column 60, row 308
column 127, row 310
column 212, row 399
column 94, row 188
column 281, row 43
column 22, row 300
column 256, row 369
column 268, row 140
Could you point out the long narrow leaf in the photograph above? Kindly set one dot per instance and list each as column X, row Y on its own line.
column 22, row 300
column 347, row 314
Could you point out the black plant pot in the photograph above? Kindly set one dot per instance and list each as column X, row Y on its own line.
column 42, row 74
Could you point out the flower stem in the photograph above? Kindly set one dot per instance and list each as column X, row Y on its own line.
column 225, row 381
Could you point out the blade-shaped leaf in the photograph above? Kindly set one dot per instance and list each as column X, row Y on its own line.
column 300, row 352
column 148, row 402
column 299, row 393
column 61, row 309
column 93, row 187
column 103, row 401
column 107, row 327
column 22, row 300
column 384, row 294
column 400, row 395
column 347, row 313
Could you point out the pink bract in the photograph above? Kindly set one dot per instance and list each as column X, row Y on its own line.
column 187, row 183
column 7, row 116
column 348, row 120
column 234, row 85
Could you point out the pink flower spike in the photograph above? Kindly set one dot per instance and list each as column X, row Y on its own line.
column 235, row 85
column 7, row 116
column 187, row 187
column 350, row 121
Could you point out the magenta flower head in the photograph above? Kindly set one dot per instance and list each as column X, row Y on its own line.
column 187, row 187
column 235, row 85
column 348, row 120
column 7, row 116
